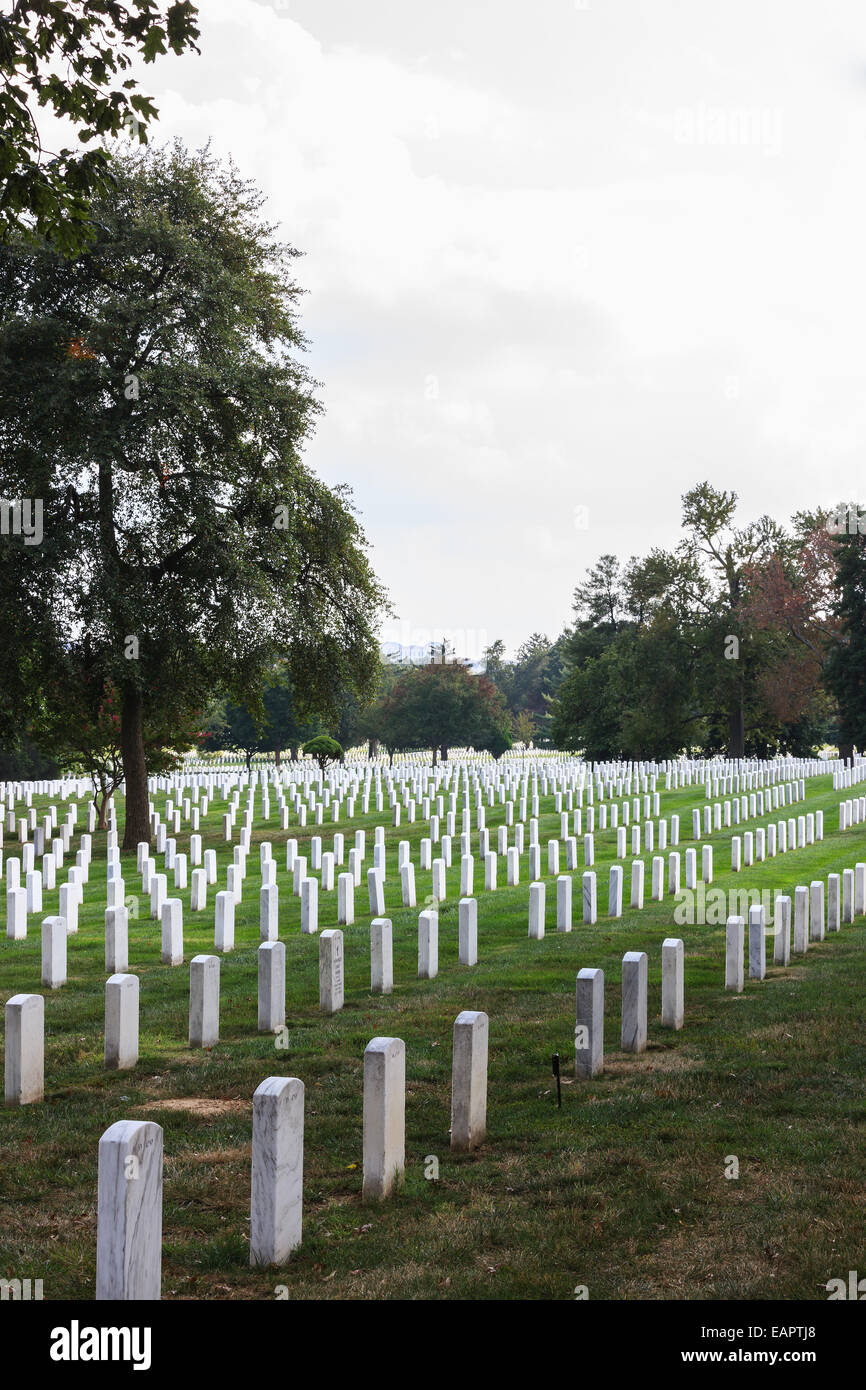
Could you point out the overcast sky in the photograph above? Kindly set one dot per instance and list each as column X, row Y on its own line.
column 565, row 260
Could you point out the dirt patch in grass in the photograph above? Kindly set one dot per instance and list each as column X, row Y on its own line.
column 206, row 1106
column 626, row 1064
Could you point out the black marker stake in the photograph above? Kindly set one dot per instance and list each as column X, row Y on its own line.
column 556, row 1074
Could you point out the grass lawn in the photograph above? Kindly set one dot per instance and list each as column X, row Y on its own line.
column 622, row 1190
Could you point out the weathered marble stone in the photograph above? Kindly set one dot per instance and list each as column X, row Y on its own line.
column 658, row 878
column 54, row 952
column 345, row 900
column 634, row 1001
column 637, row 883
column 24, row 1061
column 590, row 897
column 801, row 920
column 691, row 869
column 331, row 971
column 384, row 1117
column 272, row 986
column 563, row 903
column 816, row 910
column 834, row 904
column 490, row 872
column 180, row 871
column 381, row 956
column 33, row 889
column 269, row 912
column 782, row 930
column 224, row 922
column 859, row 889
column 757, row 944
column 467, row 931
column 198, row 891
column 158, row 891
column 16, row 913
column 407, row 884
column 735, row 932
column 375, row 892
column 204, row 1001
column 309, row 906
column 428, row 944
column 129, row 1213
column 469, row 1081
column 299, row 873
column 537, row 894
column 847, row 895
column 117, row 940
column 513, row 867
column 674, row 872
column 49, row 873
column 673, row 982
column 589, row 1024
column 276, row 1197
column 172, row 932
column 121, row 1022
column 614, row 892
column 707, row 863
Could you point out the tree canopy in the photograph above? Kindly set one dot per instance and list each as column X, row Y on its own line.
column 69, row 56
column 152, row 401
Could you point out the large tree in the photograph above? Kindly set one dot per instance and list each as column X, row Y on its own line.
column 268, row 725
column 64, row 55
column 440, row 704
column 725, row 555
column 152, row 403
column 846, row 667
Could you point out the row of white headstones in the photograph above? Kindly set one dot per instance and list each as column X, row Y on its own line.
column 276, row 1214
column 130, row 1160
column 121, row 1033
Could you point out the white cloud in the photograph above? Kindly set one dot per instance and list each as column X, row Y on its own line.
column 627, row 248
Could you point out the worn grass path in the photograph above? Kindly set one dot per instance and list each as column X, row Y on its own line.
column 622, row 1191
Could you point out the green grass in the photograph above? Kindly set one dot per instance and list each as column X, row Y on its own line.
column 622, row 1190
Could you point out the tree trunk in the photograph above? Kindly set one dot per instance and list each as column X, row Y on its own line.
column 846, row 752
column 374, row 748
column 137, row 824
column 443, row 753
column 278, row 753
column 294, row 753
column 101, row 808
